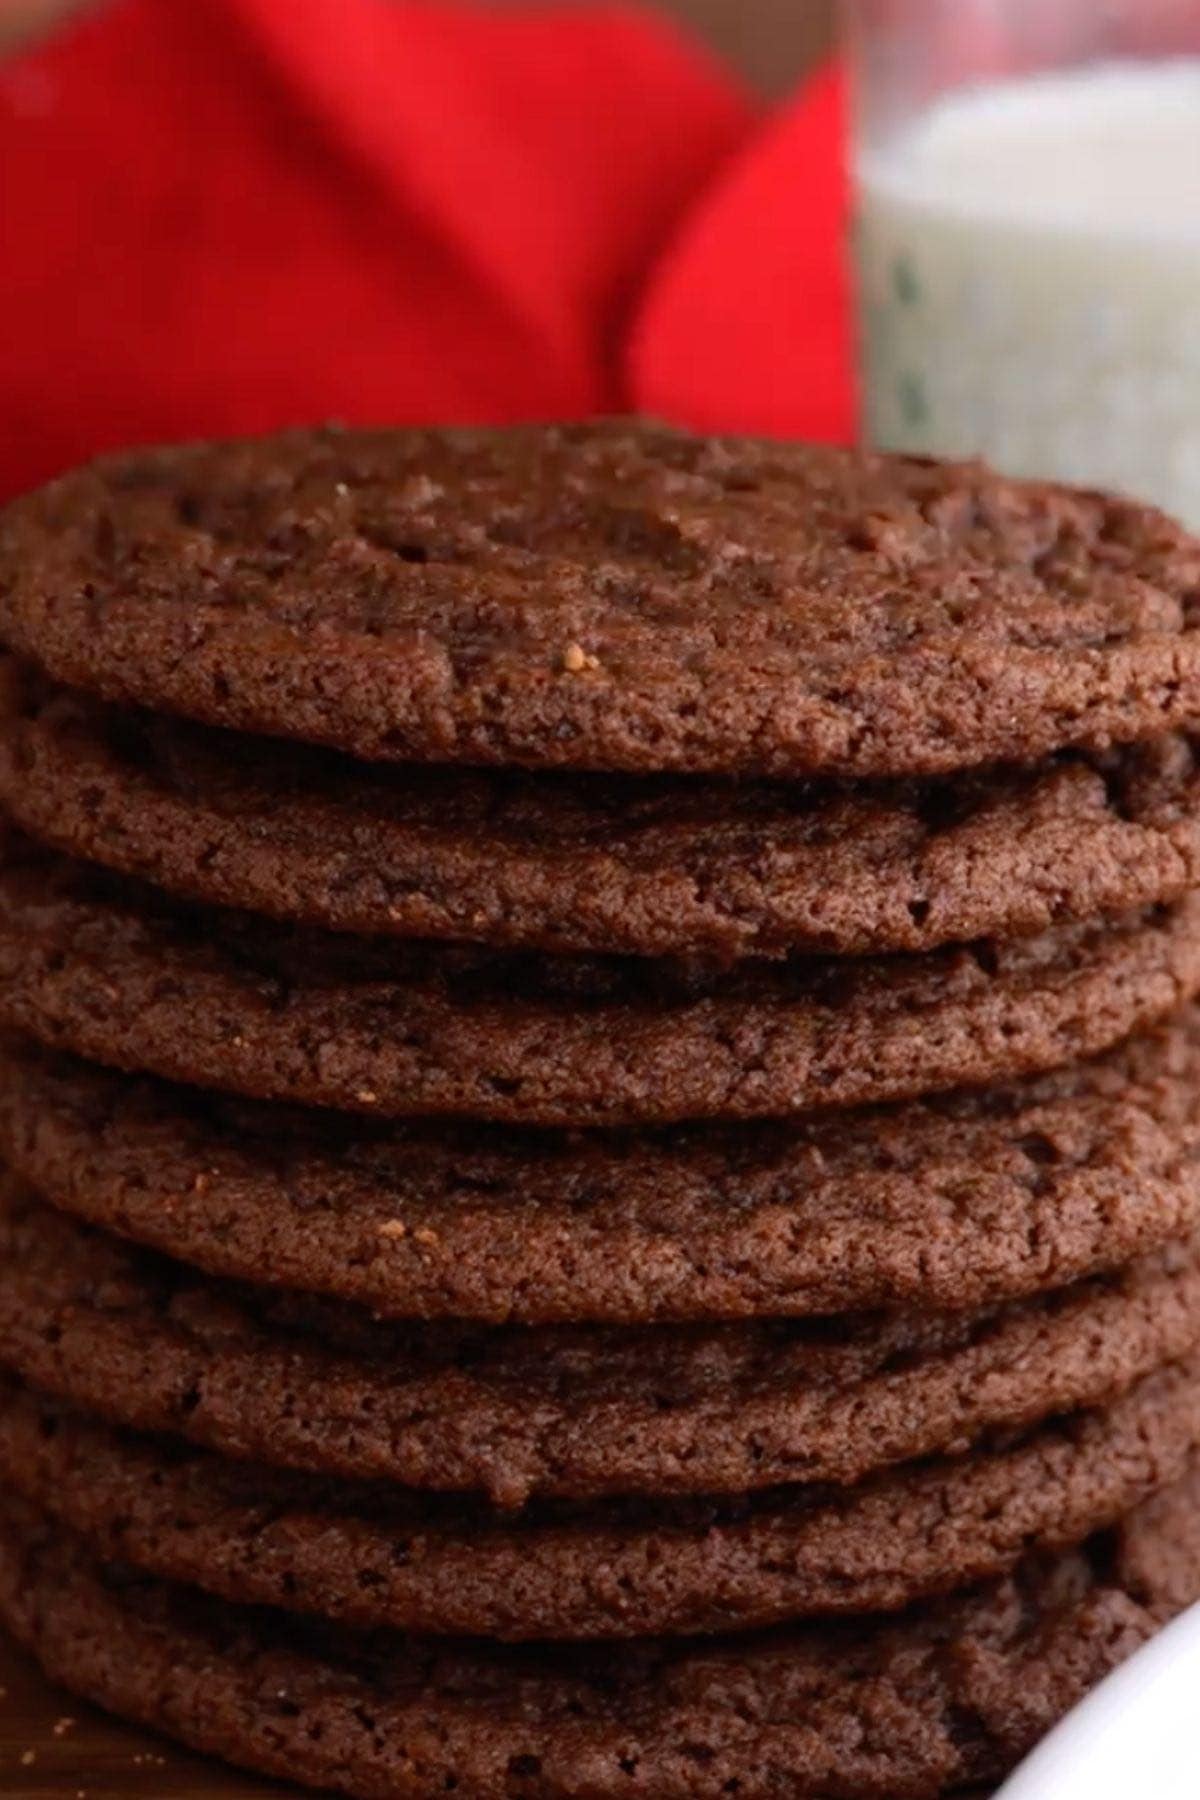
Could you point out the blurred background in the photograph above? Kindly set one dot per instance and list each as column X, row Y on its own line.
column 225, row 216
column 771, row 41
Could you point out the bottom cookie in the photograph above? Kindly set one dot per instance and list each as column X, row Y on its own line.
column 947, row 1697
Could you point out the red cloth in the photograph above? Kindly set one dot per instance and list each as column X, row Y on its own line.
column 746, row 323
column 227, row 215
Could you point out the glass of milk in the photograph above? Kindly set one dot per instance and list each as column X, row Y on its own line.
column 1028, row 236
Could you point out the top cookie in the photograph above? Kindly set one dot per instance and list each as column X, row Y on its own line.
column 609, row 596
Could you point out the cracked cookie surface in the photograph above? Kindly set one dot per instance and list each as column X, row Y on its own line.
column 378, row 1556
column 97, row 964
column 565, row 1412
column 950, row 1695
column 953, row 1202
column 609, row 596
column 650, row 866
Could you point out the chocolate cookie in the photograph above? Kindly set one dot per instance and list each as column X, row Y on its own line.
column 95, row 964
column 378, row 1556
column 955, row 1202
column 951, row 1694
column 669, row 865
column 608, row 596
column 562, row 1412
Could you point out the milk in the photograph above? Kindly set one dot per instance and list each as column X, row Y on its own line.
column 1030, row 268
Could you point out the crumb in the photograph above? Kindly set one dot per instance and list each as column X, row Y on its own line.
column 62, row 1726
column 200, row 1185
column 28, row 1758
column 576, row 660
column 424, row 1235
column 393, row 1228
column 367, row 1097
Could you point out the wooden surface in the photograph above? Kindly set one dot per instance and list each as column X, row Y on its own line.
column 77, row 1754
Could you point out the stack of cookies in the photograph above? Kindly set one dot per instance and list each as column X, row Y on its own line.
column 600, row 1108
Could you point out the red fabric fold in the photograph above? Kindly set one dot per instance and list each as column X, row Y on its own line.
column 745, row 325
column 228, row 215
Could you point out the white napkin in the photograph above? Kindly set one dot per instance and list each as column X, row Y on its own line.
column 1136, row 1738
